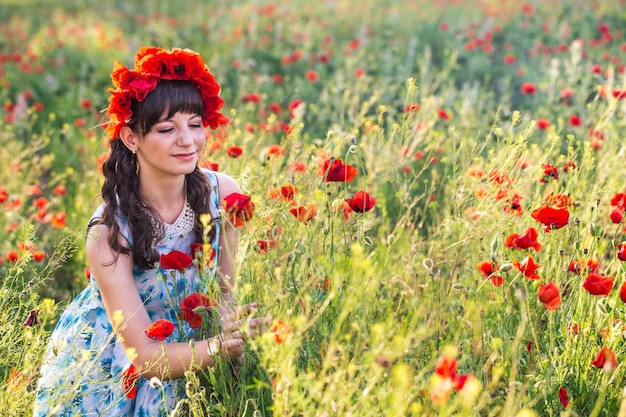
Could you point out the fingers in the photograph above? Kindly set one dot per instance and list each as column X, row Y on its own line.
column 233, row 347
column 242, row 311
column 238, row 326
column 252, row 327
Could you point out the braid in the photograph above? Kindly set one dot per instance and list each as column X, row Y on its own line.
column 120, row 193
column 198, row 192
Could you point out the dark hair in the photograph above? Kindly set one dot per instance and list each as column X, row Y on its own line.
column 169, row 96
column 120, row 190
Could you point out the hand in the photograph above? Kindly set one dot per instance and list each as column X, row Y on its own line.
column 239, row 325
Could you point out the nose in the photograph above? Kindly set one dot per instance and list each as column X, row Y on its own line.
column 185, row 137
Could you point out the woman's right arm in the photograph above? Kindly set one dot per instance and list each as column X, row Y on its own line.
column 113, row 273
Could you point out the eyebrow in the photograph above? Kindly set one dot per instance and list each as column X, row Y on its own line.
column 169, row 119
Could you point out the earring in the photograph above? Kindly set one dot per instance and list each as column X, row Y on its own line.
column 134, row 152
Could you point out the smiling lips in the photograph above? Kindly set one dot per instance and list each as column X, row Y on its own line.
column 185, row 156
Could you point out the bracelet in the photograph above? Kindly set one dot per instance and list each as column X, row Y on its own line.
column 213, row 346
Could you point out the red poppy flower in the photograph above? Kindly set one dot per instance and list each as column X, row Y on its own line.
column 130, row 378
column 563, row 398
column 543, row 124
column 239, row 208
column 58, row 220
column 549, row 171
column 175, row 260
column 294, row 106
column 596, row 69
column 622, row 292
column 13, row 256
column 298, row 167
column 280, row 330
column 275, row 150
column 312, row 76
column 509, row 59
column 575, row 120
column 551, row 218
column 576, row 266
column 528, row 88
column 499, row 177
column 515, row 205
column 528, row 267
column 528, row 9
column 27, row 246
column 251, row 98
column 526, row 241
column 160, row 330
column 206, row 251
column 304, row 214
column 605, row 359
column 487, row 268
column 190, row 305
column 568, row 166
column 234, row 151
column 619, row 200
column 41, row 203
column 446, row 366
column 443, row 114
column 39, row 256
column 617, row 215
column 275, row 108
column 60, row 190
column 411, row 107
column 496, row 280
column 597, row 284
column 264, row 246
column 559, row 200
column 592, row 264
column 32, row 190
column 621, row 251
column 550, row 295
column 619, row 94
column 361, row 202
column 288, row 192
column 338, row 171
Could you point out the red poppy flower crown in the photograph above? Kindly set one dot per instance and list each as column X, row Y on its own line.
column 153, row 64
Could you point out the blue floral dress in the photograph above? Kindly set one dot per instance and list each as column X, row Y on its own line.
column 82, row 370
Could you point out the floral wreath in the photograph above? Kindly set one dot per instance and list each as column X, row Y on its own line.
column 153, row 64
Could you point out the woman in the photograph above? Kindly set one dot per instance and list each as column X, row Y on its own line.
column 105, row 356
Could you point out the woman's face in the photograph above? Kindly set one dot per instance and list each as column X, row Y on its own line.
column 172, row 146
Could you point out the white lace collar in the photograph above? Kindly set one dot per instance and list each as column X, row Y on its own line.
column 182, row 226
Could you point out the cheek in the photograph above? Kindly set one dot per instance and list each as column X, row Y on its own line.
column 200, row 142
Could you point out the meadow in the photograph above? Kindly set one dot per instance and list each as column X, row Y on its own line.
column 467, row 260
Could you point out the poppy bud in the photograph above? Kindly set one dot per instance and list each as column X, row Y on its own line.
column 506, row 267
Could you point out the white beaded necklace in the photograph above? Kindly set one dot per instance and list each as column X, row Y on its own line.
column 182, row 225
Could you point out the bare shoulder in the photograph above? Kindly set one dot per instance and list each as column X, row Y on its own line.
column 97, row 246
column 227, row 184
column 106, row 264
column 97, row 235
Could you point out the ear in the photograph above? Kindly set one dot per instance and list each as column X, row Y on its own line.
column 129, row 138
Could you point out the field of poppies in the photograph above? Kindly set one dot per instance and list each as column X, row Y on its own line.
column 437, row 194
